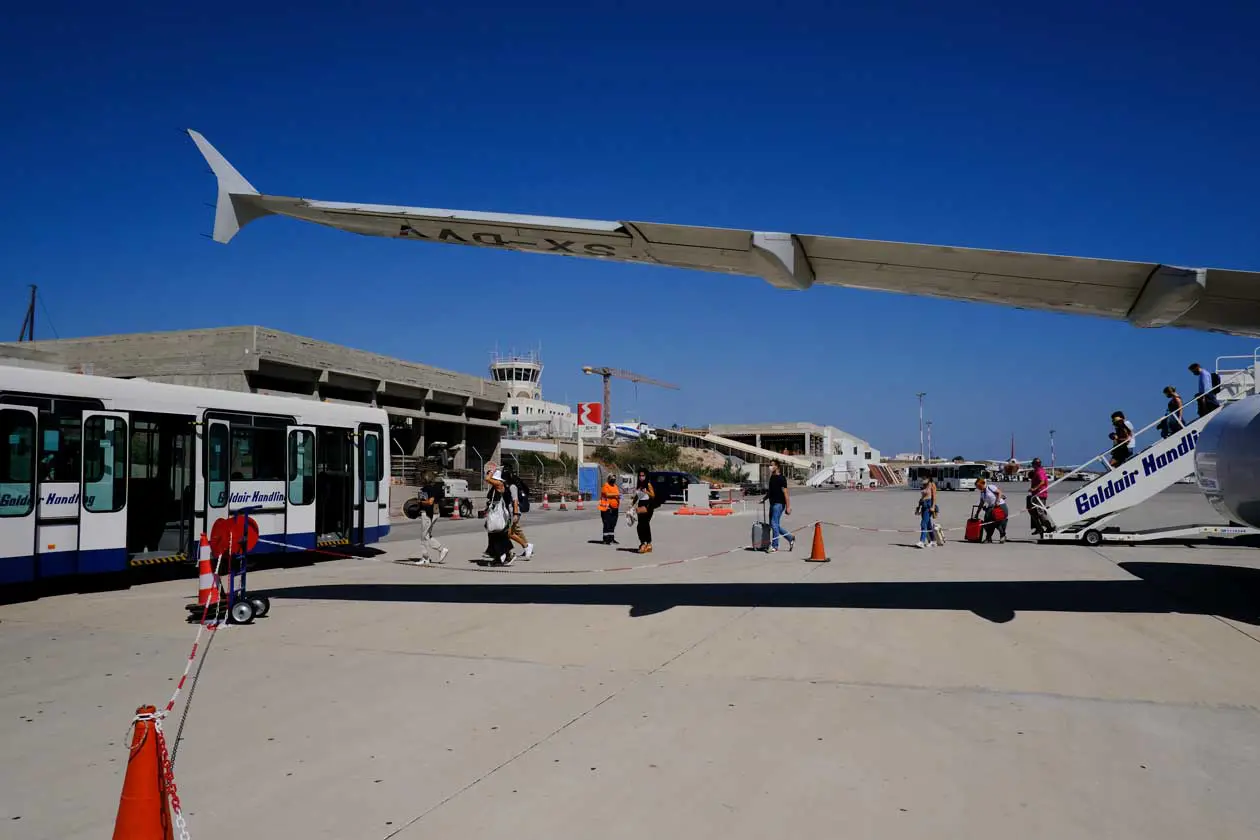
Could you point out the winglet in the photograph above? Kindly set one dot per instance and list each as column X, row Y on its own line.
column 236, row 206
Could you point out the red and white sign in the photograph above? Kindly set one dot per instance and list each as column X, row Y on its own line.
column 590, row 414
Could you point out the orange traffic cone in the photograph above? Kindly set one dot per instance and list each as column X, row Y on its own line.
column 455, row 512
column 818, row 554
column 144, row 810
column 207, row 586
column 579, row 504
column 546, row 504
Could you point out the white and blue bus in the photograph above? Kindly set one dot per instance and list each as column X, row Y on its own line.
column 948, row 475
column 99, row 475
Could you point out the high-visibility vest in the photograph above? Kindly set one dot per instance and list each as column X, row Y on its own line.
column 610, row 497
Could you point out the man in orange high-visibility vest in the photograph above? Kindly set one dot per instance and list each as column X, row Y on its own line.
column 609, row 503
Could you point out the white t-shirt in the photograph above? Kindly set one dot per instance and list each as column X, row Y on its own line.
column 989, row 496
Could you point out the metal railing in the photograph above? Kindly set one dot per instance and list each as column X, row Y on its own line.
column 1229, row 378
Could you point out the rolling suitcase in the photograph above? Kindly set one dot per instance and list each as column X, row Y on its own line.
column 761, row 532
column 973, row 531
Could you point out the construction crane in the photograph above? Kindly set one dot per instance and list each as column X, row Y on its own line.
column 608, row 373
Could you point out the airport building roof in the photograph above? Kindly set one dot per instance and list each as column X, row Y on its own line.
column 729, row 429
column 262, row 359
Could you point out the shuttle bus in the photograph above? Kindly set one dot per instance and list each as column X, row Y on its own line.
column 949, row 475
column 99, row 475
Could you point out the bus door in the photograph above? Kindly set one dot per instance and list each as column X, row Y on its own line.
column 299, row 503
column 369, row 484
column 103, row 493
column 17, row 494
column 218, row 461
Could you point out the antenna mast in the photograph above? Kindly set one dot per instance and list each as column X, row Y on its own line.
column 28, row 323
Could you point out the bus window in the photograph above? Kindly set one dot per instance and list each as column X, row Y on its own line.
column 371, row 470
column 104, row 464
column 301, row 467
column 218, row 455
column 60, row 445
column 257, row 453
column 17, row 462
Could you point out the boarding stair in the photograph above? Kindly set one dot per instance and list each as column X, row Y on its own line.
column 1085, row 513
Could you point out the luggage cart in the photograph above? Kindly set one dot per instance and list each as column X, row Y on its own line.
column 236, row 536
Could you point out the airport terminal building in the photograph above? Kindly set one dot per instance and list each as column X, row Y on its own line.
column 825, row 444
column 426, row 405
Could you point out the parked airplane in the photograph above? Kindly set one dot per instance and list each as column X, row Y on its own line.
column 1146, row 294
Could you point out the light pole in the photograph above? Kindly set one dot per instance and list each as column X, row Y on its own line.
column 920, row 396
column 1052, row 450
column 929, row 440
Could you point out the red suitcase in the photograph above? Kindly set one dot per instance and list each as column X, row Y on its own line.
column 973, row 531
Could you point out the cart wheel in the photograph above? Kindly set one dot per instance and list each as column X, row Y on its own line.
column 242, row 612
column 261, row 605
column 1092, row 537
column 465, row 509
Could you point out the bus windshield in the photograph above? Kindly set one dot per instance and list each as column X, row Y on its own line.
column 972, row 471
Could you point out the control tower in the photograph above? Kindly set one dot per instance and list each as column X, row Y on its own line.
column 526, row 413
column 520, row 373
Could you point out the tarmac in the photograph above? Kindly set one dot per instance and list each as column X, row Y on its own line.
column 980, row 691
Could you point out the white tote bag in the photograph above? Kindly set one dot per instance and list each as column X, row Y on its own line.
column 496, row 517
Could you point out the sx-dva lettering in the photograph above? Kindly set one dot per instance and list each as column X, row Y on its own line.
column 496, row 240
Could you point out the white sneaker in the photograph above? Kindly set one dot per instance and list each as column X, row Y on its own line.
column 442, row 554
column 920, row 545
column 529, row 551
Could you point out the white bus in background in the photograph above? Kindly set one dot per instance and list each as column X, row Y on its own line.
column 99, row 475
column 949, row 475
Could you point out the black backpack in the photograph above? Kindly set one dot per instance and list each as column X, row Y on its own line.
column 1216, row 379
column 522, row 495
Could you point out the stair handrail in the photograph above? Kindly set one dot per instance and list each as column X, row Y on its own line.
column 1105, row 454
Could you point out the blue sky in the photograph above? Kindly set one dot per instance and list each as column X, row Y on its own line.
column 1127, row 132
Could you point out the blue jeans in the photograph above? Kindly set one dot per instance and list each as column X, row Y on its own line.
column 925, row 523
column 776, row 526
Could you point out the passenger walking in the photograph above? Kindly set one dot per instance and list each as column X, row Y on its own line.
column 780, row 504
column 1038, row 501
column 1174, row 421
column 926, row 510
column 516, row 500
column 609, row 507
column 645, row 503
column 1122, row 439
column 994, row 508
column 498, row 518
column 432, row 492
column 1207, row 399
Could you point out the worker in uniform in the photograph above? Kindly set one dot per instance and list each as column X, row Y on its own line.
column 609, row 507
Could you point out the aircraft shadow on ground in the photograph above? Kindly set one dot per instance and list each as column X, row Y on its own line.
column 1198, row 589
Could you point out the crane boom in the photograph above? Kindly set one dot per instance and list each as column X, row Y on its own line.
column 608, row 374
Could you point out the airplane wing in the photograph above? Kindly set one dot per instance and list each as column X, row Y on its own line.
column 1147, row 294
